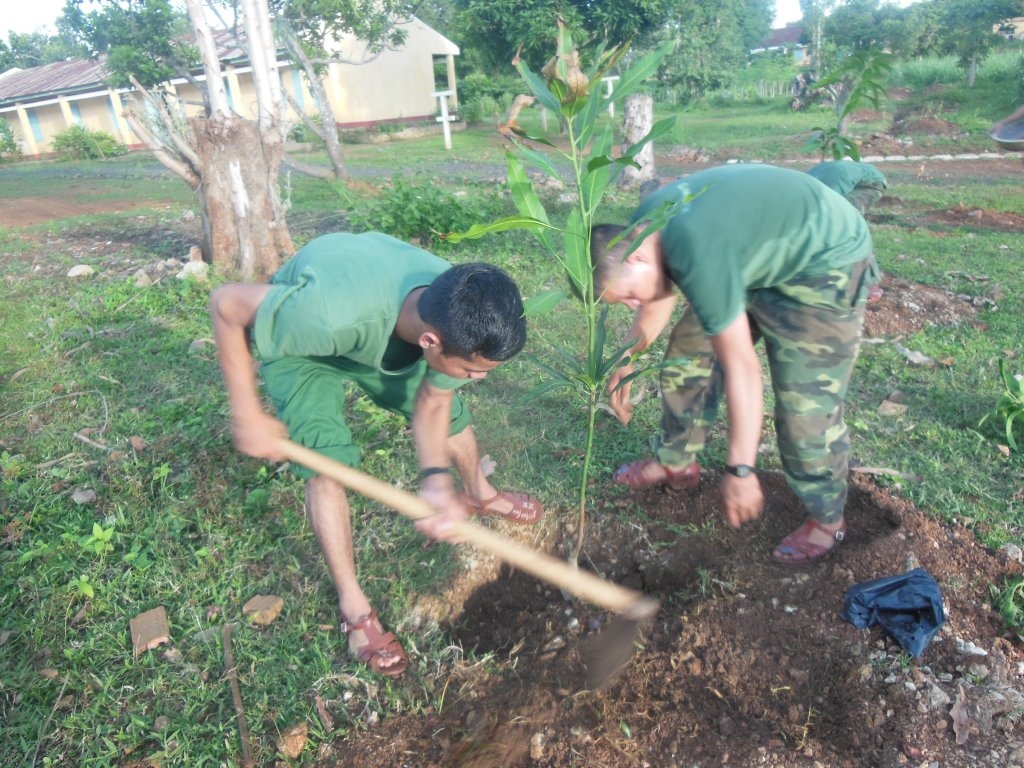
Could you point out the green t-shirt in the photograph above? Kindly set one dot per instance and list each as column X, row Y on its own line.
column 845, row 175
column 340, row 296
column 752, row 227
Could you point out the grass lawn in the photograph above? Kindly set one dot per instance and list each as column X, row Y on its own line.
column 121, row 492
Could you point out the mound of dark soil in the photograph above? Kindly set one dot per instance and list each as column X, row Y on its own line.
column 748, row 663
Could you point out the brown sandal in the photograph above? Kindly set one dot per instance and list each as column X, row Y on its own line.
column 380, row 646
column 525, row 509
column 635, row 475
column 797, row 548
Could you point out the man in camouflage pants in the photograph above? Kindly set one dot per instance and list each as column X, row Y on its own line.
column 759, row 253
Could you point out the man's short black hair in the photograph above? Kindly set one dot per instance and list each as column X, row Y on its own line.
column 604, row 259
column 477, row 310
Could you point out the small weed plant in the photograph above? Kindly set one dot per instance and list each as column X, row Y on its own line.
column 1008, row 415
column 1009, row 601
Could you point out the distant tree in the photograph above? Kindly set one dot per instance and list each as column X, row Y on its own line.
column 440, row 15
column 35, row 49
column 967, row 29
column 814, row 13
column 713, row 39
column 311, row 30
column 231, row 162
column 495, row 30
column 756, row 22
column 144, row 39
column 856, row 25
column 919, row 31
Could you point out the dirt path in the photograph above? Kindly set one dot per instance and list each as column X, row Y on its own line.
column 30, row 211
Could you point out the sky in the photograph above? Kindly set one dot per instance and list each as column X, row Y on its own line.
column 24, row 16
column 786, row 11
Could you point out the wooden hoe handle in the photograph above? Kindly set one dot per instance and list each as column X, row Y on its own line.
column 552, row 570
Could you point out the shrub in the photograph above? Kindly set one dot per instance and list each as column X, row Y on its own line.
column 9, row 149
column 304, row 134
column 480, row 110
column 78, row 143
column 422, row 211
column 473, row 86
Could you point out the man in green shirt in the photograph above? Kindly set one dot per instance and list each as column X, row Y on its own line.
column 758, row 252
column 406, row 327
column 860, row 183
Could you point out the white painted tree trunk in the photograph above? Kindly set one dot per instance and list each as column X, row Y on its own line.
column 637, row 122
column 234, row 163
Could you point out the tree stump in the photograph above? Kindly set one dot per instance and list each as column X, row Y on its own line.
column 637, row 123
column 243, row 214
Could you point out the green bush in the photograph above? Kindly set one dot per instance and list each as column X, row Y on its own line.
column 9, row 149
column 480, row 110
column 473, row 86
column 78, row 143
column 478, row 84
column 423, row 211
column 303, row 134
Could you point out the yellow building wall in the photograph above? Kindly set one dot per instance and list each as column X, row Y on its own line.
column 396, row 85
column 37, row 125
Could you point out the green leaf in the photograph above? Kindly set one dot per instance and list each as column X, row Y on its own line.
column 543, row 303
column 545, row 388
column 1009, row 380
column 577, row 260
column 542, row 161
column 597, row 175
column 502, row 225
column 643, row 69
column 587, row 111
column 617, row 359
column 575, row 375
column 538, row 87
column 519, row 132
column 523, row 194
column 526, row 199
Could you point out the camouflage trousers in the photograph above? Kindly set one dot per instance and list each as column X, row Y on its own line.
column 864, row 196
column 811, row 332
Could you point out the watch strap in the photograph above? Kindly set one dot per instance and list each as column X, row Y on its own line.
column 740, row 470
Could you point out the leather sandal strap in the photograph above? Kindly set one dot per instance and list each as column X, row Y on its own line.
column 354, row 626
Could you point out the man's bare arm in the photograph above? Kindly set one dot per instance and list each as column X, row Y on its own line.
column 233, row 308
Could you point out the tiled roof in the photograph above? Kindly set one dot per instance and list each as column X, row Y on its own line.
column 784, row 37
column 59, row 77
column 77, row 75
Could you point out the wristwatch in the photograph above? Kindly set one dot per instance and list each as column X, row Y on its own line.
column 740, row 470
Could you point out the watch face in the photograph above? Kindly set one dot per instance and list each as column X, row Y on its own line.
column 742, row 470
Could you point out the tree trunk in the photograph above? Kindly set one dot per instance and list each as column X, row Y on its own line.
column 972, row 70
column 637, row 122
column 243, row 216
column 328, row 128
